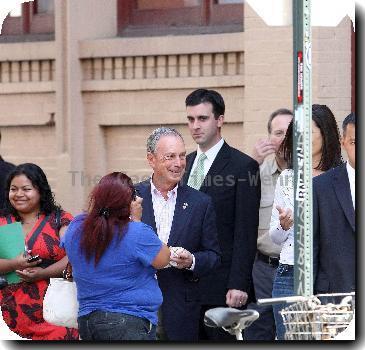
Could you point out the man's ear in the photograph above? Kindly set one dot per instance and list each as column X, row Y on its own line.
column 220, row 121
column 151, row 159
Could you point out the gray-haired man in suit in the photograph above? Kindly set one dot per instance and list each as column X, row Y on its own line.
column 182, row 217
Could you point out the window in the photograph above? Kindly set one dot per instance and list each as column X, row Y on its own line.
column 30, row 21
column 165, row 4
column 44, row 6
column 227, row 1
column 160, row 17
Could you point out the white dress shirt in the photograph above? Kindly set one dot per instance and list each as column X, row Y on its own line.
column 284, row 197
column 211, row 154
column 351, row 175
column 164, row 210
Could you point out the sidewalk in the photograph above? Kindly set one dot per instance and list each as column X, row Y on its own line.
column 6, row 333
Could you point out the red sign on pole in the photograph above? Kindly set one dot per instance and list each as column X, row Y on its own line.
column 300, row 77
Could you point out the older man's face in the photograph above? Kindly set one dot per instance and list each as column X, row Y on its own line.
column 169, row 160
column 279, row 126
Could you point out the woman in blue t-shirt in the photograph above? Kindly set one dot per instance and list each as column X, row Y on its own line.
column 114, row 260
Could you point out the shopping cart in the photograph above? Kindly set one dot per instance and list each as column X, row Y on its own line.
column 318, row 317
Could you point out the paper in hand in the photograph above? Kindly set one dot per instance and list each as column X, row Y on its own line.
column 175, row 252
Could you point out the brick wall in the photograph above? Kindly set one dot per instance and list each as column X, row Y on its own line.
column 131, row 86
column 268, row 71
column 119, row 123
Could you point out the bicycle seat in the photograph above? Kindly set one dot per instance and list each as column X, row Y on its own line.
column 228, row 317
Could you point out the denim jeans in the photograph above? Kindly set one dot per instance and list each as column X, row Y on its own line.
column 283, row 287
column 108, row 326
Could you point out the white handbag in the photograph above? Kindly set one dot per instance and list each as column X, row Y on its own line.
column 60, row 305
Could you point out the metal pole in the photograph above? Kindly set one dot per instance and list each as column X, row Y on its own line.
column 302, row 148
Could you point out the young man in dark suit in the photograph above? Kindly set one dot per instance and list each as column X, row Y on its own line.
column 182, row 217
column 334, row 241
column 231, row 178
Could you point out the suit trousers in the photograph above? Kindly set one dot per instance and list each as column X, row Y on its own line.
column 263, row 329
column 160, row 331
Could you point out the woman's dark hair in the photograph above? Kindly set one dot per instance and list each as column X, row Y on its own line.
column 331, row 146
column 109, row 211
column 39, row 180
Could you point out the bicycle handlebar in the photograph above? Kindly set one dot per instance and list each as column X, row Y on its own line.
column 280, row 300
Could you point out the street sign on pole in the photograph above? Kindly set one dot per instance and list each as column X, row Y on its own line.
column 325, row 13
column 302, row 147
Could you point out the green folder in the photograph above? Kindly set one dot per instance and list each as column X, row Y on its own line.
column 11, row 245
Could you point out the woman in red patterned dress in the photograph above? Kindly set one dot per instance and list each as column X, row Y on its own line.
column 31, row 202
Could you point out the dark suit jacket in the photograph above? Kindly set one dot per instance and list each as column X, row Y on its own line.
column 5, row 169
column 233, row 183
column 334, row 245
column 194, row 229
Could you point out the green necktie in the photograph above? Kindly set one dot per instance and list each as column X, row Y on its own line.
column 196, row 177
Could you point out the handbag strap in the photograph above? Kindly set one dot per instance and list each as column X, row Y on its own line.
column 58, row 221
column 36, row 233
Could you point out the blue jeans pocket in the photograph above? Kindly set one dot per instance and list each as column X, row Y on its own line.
column 109, row 326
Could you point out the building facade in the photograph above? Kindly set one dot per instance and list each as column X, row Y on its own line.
column 83, row 83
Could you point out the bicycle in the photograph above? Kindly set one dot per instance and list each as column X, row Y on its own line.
column 317, row 317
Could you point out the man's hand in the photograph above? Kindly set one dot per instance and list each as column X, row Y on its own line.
column 236, row 298
column 262, row 149
column 285, row 217
column 181, row 257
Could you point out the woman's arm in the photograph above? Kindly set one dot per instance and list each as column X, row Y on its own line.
column 32, row 274
column 36, row 273
column 55, row 270
column 7, row 265
column 277, row 234
column 163, row 257
column 18, row 263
